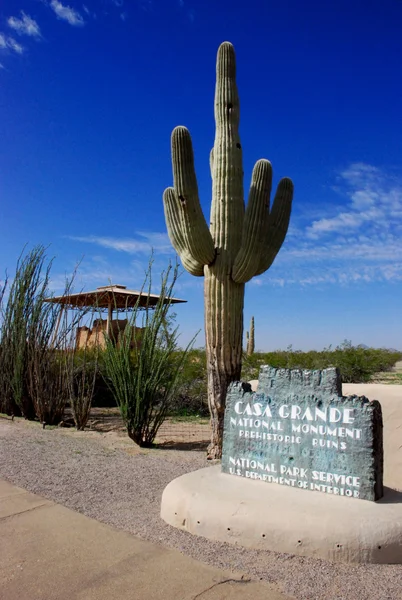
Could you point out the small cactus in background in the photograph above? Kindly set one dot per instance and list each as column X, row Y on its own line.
column 250, row 338
column 239, row 244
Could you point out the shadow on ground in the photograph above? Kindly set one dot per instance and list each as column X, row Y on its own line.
column 391, row 496
column 178, row 445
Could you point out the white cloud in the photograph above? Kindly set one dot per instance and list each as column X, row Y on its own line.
column 360, row 173
column 338, row 223
column 331, row 274
column 25, row 25
column 375, row 199
column 158, row 241
column 66, row 13
column 258, row 281
column 15, row 45
column 358, row 242
column 9, row 43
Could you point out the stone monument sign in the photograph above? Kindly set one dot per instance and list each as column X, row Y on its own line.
column 298, row 430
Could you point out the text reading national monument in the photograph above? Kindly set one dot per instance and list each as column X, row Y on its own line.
column 298, row 430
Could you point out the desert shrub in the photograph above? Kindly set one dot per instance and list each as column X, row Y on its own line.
column 51, row 343
column 144, row 381
column 20, row 320
column 7, row 404
column 192, row 394
column 83, row 374
column 49, row 385
column 17, row 317
column 357, row 364
column 35, row 339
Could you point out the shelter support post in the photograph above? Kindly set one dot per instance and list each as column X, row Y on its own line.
column 109, row 318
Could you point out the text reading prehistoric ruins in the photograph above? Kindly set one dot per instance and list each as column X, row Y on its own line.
column 299, row 431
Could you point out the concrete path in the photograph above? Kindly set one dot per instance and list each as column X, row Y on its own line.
column 48, row 552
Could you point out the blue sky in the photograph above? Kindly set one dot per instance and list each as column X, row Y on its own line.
column 89, row 94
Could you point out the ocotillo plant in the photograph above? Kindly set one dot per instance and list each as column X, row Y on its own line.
column 250, row 338
column 239, row 243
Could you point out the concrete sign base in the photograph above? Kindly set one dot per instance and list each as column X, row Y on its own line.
column 252, row 514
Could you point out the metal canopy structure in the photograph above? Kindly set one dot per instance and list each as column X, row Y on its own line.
column 111, row 297
column 117, row 296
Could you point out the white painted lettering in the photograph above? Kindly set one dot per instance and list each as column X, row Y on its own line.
column 348, row 415
column 335, row 415
column 238, row 407
column 295, row 412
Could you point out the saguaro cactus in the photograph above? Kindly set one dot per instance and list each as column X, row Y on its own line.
column 239, row 243
column 250, row 338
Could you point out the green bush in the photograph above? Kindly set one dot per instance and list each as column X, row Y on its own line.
column 19, row 316
column 83, row 374
column 357, row 364
column 144, row 382
column 36, row 341
column 192, row 396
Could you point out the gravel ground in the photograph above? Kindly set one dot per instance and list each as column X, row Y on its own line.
column 89, row 475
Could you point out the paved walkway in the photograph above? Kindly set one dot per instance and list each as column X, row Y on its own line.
column 49, row 552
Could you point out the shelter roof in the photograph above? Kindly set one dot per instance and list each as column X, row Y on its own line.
column 118, row 296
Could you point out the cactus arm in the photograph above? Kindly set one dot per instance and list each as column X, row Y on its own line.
column 248, row 257
column 227, row 209
column 197, row 237
column 276, row 224
column 172, row 217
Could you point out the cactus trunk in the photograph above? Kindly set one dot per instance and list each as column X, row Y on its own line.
column 237, row 246
column 223, row 345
